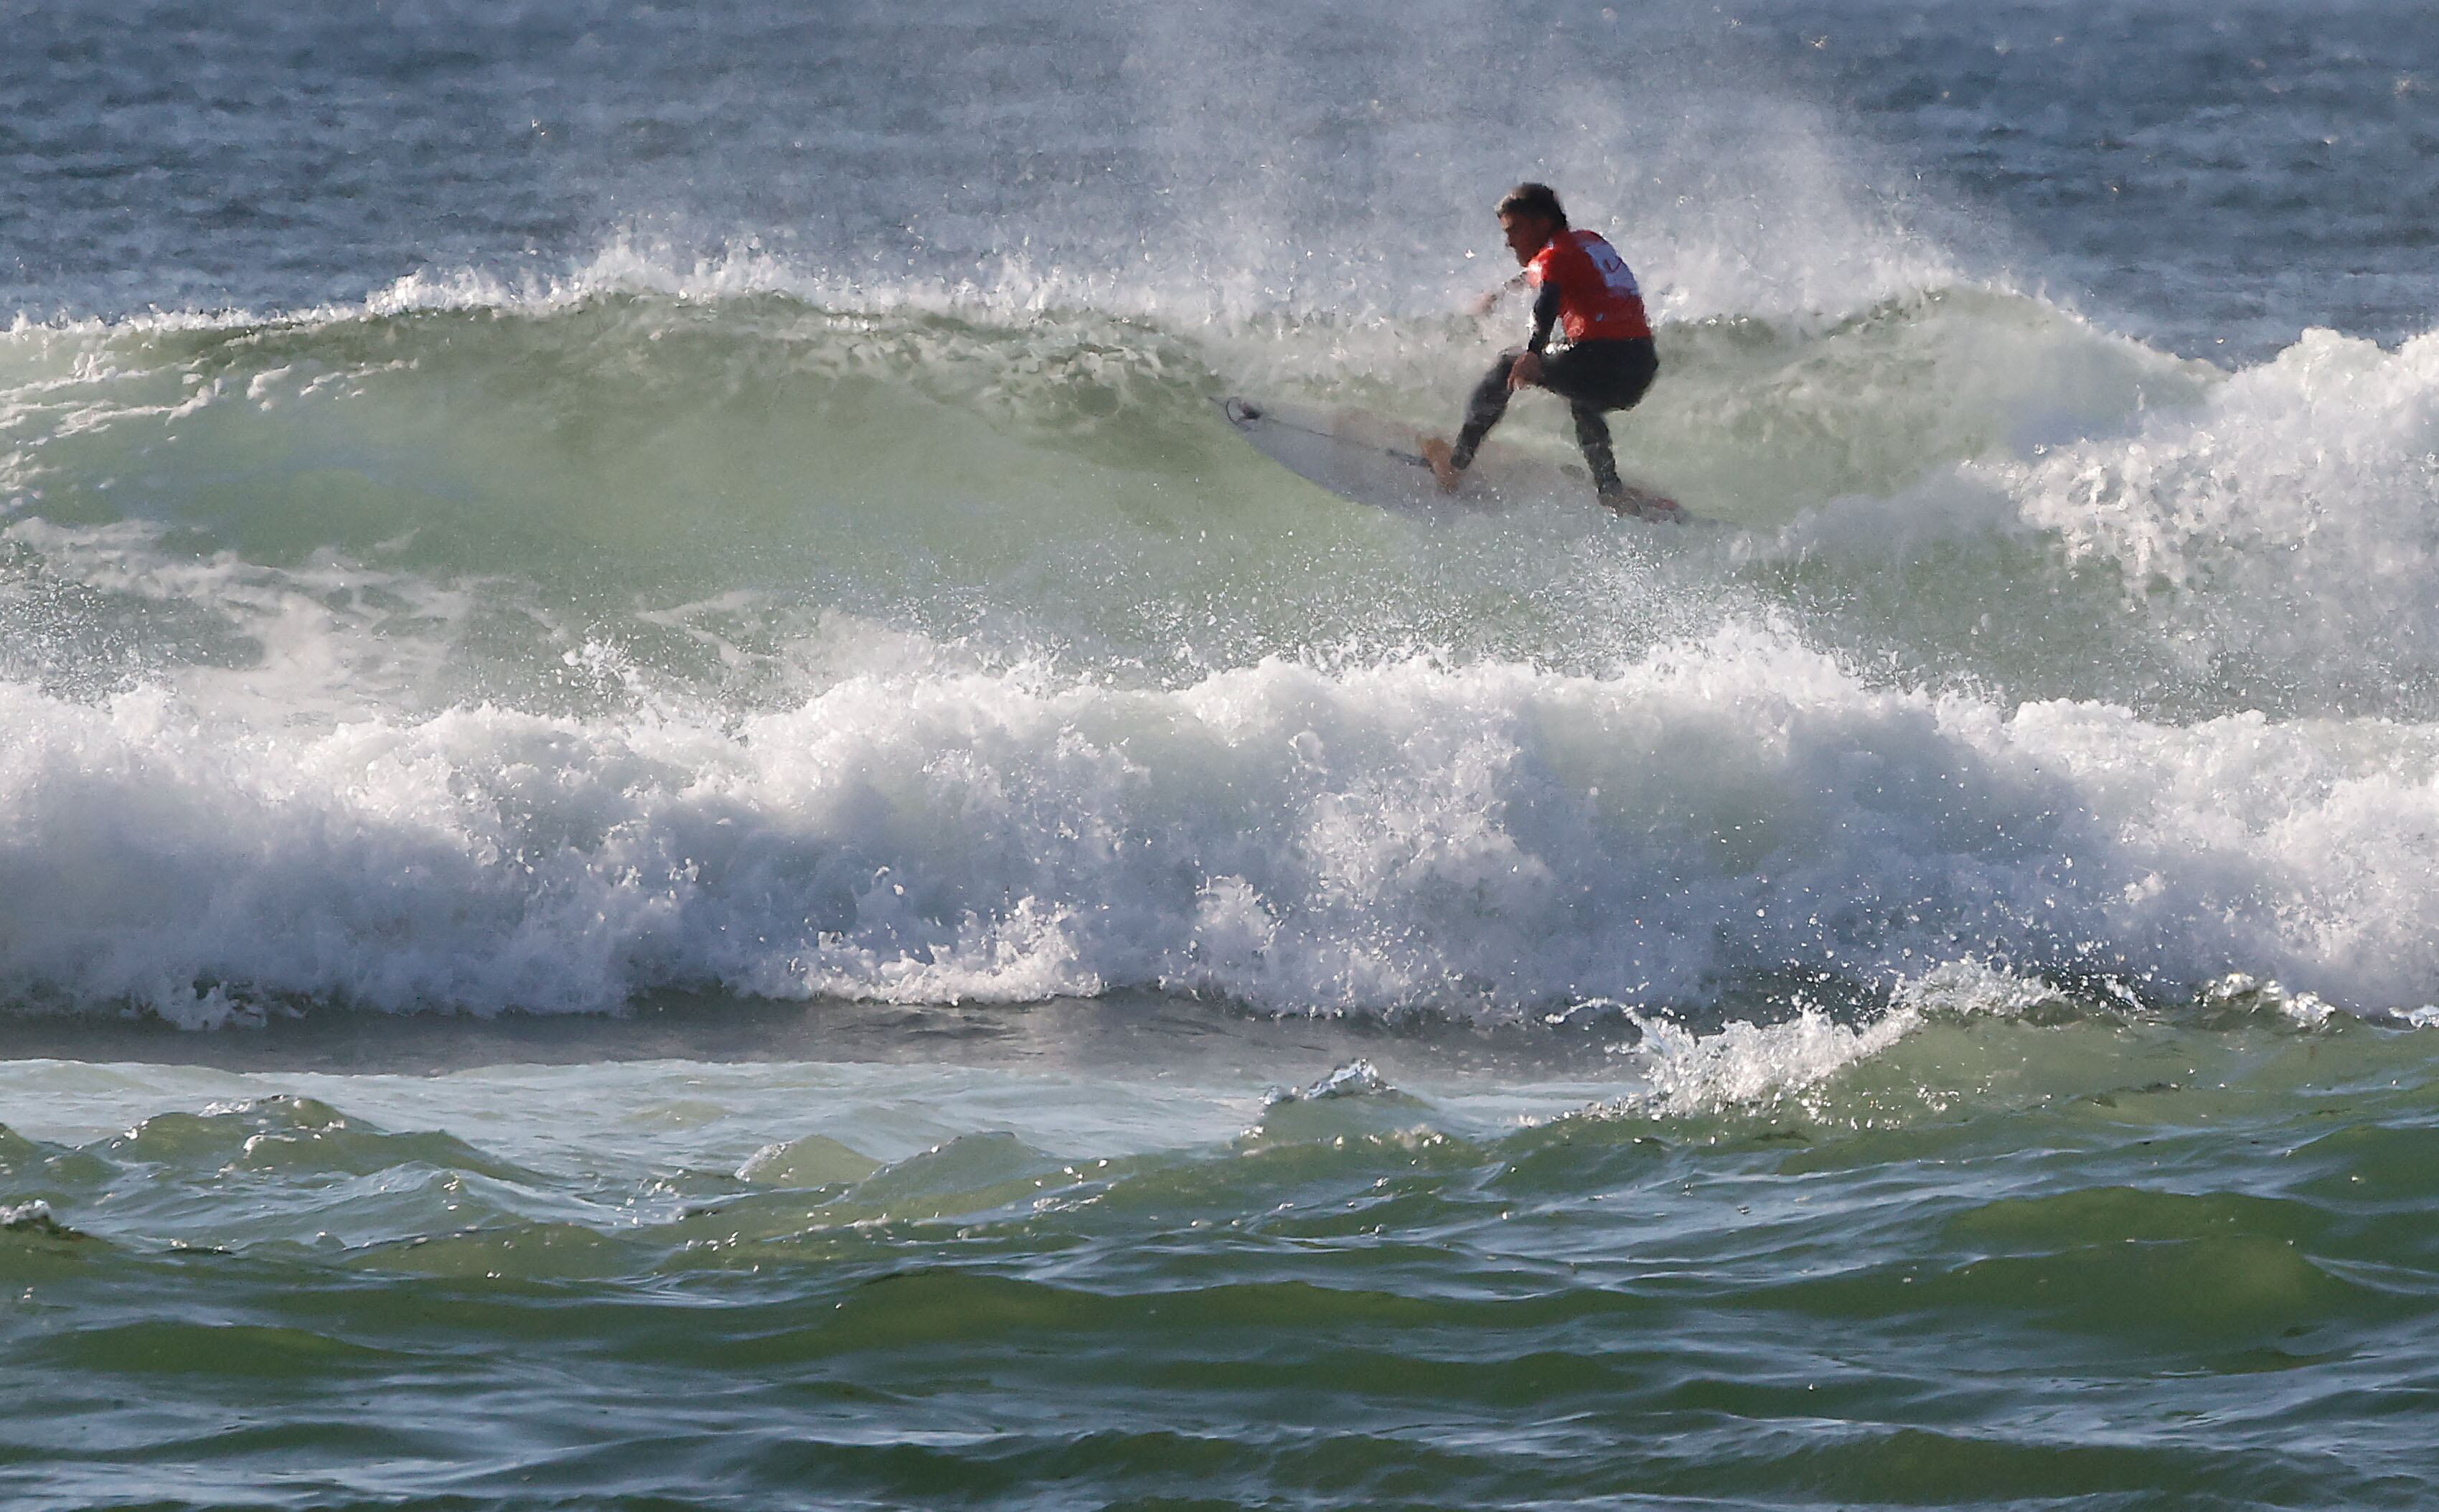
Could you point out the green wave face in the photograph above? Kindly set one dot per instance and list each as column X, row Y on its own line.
column 664, row 476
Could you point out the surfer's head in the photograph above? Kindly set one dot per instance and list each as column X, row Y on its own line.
column 1529, row 216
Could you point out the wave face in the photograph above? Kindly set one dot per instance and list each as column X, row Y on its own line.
column 712, row 630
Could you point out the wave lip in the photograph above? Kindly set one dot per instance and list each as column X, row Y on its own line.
column 2281, row 531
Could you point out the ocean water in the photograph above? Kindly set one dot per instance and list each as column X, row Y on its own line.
column 679, row 829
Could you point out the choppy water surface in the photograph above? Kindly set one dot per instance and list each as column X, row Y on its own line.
column 678, row 827
column 2089, row 1259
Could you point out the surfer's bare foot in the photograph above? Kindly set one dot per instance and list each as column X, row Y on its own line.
column 1442, row 458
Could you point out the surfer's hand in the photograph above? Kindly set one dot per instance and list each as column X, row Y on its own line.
column 1524, row 371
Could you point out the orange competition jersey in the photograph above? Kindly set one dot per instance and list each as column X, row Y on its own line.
column 1598, row 299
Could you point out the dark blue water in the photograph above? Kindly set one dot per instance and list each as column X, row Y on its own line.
column 2211, row 177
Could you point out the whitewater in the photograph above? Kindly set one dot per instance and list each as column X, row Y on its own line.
column 659, row 763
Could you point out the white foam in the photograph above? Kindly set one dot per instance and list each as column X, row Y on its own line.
column 1358, row 1077
column 1747, row 1065
column 2282, row 525
column 1488, row 837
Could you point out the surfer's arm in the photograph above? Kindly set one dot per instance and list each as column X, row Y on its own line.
column 1545, row 314
column 1526, row 370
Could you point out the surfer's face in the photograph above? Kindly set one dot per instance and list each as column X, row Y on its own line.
column 1526, row 234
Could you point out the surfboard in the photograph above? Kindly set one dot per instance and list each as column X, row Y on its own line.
column 1373, row 459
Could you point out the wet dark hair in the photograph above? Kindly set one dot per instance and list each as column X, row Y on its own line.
column 1536, row 200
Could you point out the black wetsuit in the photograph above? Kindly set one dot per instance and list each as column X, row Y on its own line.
column 1593, row 377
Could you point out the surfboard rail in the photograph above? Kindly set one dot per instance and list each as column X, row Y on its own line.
column 1372, row 458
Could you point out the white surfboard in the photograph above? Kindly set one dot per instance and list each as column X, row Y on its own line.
column 1373, row 459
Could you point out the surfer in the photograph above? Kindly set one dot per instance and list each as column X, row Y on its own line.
column 1586, row 291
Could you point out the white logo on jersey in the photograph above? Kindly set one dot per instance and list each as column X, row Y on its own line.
column 1613, row 269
